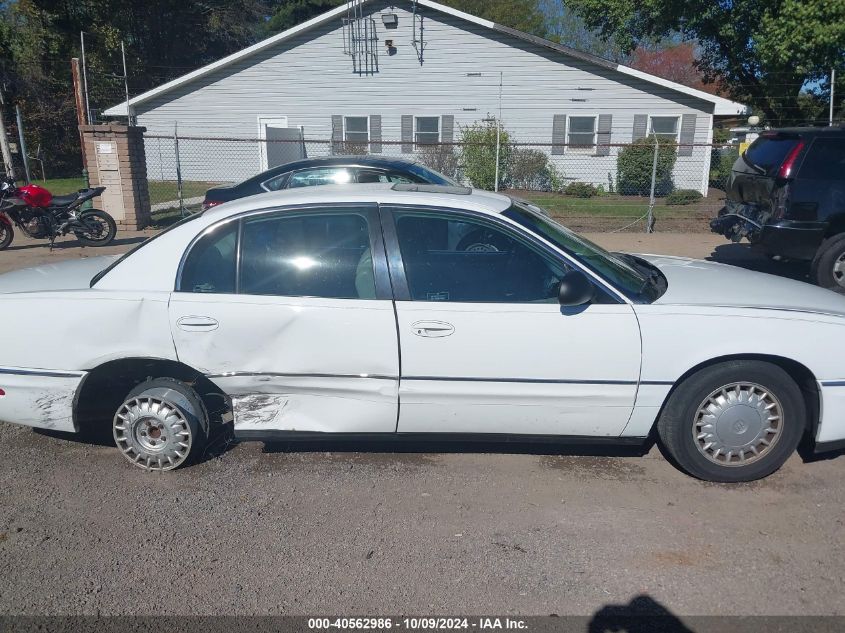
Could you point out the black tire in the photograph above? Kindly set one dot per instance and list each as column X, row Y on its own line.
column 102, row 228
column 822, row 270
column 7, row 234
column 679, row 429
column 161, row 425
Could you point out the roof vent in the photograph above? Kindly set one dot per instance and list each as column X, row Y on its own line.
column 425, row 188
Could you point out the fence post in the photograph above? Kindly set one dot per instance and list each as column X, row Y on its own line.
column 178, row 169
column 649, row 225
column 498, row 135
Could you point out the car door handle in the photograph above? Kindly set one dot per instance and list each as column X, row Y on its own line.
column 197, row 323
column 432, row 329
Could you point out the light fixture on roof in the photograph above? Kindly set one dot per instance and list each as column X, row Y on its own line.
column 390, row 20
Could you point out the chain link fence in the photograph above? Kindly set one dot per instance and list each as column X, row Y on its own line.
column 651, row 184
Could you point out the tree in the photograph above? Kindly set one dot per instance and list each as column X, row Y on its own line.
column 296, row 12
column 676, row 63
column 764, row 52
column 523, row 15
column 38, row 38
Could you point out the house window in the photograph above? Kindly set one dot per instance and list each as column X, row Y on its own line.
column 426, row 130
column 582, row 133
column 357, row 130
column 664, row 127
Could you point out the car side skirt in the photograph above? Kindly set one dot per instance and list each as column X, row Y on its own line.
column 272, row 435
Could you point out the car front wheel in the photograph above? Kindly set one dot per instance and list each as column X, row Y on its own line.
column 160, row 425
column 735, row 421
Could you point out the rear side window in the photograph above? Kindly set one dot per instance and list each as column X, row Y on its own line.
column 825, row 160
column 210, row 266
column 768, row 152
column 320, row 176
column 313, row 255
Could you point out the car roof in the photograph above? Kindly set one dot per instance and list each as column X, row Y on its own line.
column 807, row 130
column 328, row 161
column 379, row 193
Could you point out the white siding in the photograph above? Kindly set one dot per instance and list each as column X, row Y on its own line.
column 309, row 78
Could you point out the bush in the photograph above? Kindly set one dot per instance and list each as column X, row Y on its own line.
column 580, row 190
column 634, row 164
column 683, row 196
column 530, row 169
column 720, row 169
column 478, row 156
column 442, row 158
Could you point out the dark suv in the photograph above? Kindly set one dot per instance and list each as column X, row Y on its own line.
column 786, row 194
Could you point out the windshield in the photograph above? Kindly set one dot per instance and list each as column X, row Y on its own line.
column 430, row 176
column 105, row 271
column 624, row 276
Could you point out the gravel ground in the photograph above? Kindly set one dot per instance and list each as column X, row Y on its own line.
column 317, row 528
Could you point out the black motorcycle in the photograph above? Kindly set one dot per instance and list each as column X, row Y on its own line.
column 41, row 215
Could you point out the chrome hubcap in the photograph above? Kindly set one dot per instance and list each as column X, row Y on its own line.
column 152, row 432
column 839, row 270
column 738, row 424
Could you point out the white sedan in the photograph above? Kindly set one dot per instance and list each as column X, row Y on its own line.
column 413, row 310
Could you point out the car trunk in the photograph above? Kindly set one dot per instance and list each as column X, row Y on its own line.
column 758, row 185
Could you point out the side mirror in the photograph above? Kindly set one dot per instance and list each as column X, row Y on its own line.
column 575, row 289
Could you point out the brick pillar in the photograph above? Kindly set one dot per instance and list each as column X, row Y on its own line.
column 116, row 161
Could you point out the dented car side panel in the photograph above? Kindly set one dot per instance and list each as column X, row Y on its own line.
column 69, row 334
column 294, row 364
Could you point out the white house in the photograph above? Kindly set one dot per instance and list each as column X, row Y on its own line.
column 393, row 74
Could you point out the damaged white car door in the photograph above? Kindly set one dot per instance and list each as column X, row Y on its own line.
column 290, row 312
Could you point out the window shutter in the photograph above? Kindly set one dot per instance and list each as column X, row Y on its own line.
column 375, row 133
column 558, row 133
column 640, row 127
column 687, row 135
column 447, row 128
column 337, row 132
column 603, row 138
column 407, row 133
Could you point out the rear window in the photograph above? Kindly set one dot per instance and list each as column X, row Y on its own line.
column 769, row 151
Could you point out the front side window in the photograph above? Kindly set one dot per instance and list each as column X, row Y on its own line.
column 427, row 130
column 582, row 132
column 308, row 255
column 357, row 130
column 664, row 127
column 320, row 176
column 613, row 267
column 210, row 266
column 453, row 259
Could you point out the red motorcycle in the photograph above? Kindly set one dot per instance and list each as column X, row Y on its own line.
column 41, row 215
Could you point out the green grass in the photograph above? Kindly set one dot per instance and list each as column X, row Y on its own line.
column 166, row 190
column 160, row 191
column 609, row 205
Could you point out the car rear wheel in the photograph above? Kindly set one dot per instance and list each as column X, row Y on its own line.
column 735, row 421
column 828, row 268
column 160, row 425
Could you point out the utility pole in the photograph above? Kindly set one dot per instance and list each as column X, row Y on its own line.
column 125, row 83
column 4, row 142
column 85, row 77
column 23, row 144
column 81, row 115
column 832, row 83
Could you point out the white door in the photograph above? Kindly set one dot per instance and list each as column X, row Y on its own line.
column 299, row 330
column 485, row 346
column 279, row 144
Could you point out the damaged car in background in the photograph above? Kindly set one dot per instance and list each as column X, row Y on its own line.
column 786, row 195
column 286, row 315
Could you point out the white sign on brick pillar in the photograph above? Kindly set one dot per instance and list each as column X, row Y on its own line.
column 108, row 167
